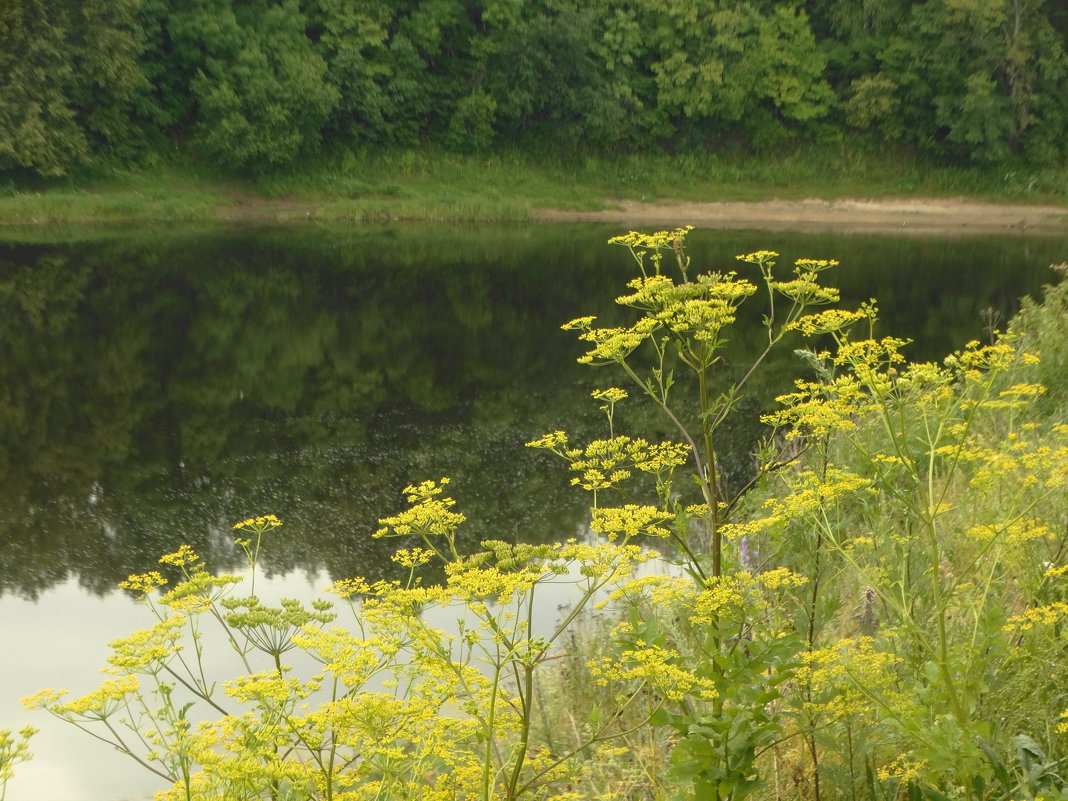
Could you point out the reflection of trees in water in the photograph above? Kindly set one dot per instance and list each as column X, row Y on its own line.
column 152, row 404
column 153, row 394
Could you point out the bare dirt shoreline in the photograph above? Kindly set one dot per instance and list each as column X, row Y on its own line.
column 914, row 216
column 909, row 216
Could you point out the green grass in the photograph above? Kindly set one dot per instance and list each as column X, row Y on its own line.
column 157, row 194
column 506, row 186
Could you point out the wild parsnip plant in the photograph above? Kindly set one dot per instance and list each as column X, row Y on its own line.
column 391, row 707
column 941, row 500
column 684, row 324
column 912, row 554
column 13, row 750
column 879, row 611
column 724, row 623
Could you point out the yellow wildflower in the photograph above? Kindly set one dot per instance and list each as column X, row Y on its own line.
column 259, row 524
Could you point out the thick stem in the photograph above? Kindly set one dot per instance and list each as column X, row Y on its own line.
column 524, row 732
column 814, row 753
column 711, row 478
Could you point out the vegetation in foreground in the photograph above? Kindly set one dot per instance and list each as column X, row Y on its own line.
column 878, row 610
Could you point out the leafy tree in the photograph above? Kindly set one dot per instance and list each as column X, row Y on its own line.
column 439, row 33
column 69, row 80
column 169, row 69
column 260, row 88
column 972, row 79
column 544, row 76
column 730, row 65
column 39, row 129
column 375, row 73
column 107, row 40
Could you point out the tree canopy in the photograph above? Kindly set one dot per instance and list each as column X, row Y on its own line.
column 257, row 85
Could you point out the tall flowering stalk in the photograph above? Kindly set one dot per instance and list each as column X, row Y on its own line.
column 730, row 612
column 685, row 322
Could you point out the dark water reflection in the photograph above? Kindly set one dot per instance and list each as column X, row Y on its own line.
column 156, row 388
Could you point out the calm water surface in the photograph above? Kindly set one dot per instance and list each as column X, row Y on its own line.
column 157, row 386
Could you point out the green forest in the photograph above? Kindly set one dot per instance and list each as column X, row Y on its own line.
column 254, row 87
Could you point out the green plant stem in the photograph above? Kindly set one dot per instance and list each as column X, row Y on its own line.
column 491, row 717
column 712, row 477
column 596, row 738
column 701, row 471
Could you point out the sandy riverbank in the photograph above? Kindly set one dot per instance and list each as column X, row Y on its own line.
column 942, row 216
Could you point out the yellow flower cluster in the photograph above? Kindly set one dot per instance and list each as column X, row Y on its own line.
column 740, row 596
column 826, row 321
column 268, row 687
column 430, row 516
column 12, row 752
column 470, row 583
column 654, row 292
column 143, row 583
column 975, row 359
column 555, row 442
column 641, row 245
column 1050, row 614
column 1023, row 391
column 815, row 265
column 353, row 660
column 616, row 344
column 806, row 291
column 181, row 558
column 148, row 650
column 610, row 395
column 259, row 524
column 654, row 668
column 1029, row 460
column 199, row 591
column 758, row 257
column 658, row 241
column 579, row 324
column 736, row 599
column 630, row 521
column 818, row 409
column 506, row 571
column 843, row 679
column 811, row 492
column 902, row 769
column 605, row 463
column 734, row 532
column 701, row 319
column 699, row 309
column 96, row 705
column 658, row 591
column 868, row 357
column 604, row 562
column 412, row 557
column 347, row 588
column 1014, row 532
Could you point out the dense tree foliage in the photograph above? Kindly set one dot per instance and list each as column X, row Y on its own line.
column 69, row 81
column 256, row 85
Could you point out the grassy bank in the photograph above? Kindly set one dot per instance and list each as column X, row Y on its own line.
column 506, row 187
